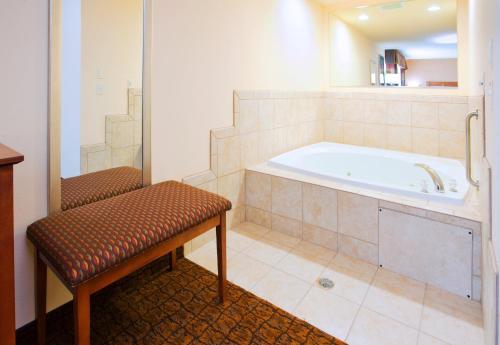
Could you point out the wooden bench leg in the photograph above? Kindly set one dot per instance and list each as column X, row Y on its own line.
column 172, row 257
column 40, row 297
column 81, row 310
column 221, row 257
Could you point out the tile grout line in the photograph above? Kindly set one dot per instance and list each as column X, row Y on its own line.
column 361, row 305
column 398, row 321
column 274, row 266
column 294, row 313
column 422, row 314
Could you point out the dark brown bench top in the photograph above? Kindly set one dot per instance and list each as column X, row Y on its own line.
column 83, row 242
column 86, row 189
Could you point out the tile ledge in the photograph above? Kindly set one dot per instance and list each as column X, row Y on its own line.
column 224, row 132
column 200, row 178
column 467, row 211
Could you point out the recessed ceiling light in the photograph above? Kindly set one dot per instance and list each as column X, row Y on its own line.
column 363, row 17
column 433, row 8
column 362, row 6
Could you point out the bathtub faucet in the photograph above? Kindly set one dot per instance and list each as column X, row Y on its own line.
column 438, row 182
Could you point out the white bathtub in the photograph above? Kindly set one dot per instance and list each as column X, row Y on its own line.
column 383, row 170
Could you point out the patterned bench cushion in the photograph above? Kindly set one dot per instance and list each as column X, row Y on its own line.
column 86, row 241
column 85, row 189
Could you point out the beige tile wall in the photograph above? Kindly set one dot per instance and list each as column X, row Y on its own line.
column 265, row 124
column 349, row 223
column 268, row 123
column 431, row 125
column 123, row 140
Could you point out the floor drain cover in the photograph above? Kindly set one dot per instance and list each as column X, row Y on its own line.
column 325, row 283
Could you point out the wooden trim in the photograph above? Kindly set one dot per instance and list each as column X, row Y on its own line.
column 40, row 297
column 7, row 288
column 442, row 83
column 172, row 259
column 8, row 156
column 221, row 258
column 54, row 108
column 146, row 92
column 81, row 311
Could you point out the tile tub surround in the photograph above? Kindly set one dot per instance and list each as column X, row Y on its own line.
column 431, row 125
column 268, row 123
column 265, row 124
column 367, row 305
column 348, row 222
column 123, row 140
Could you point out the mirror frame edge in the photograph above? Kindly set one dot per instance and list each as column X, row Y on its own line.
column 147, row 8
column 54, row 114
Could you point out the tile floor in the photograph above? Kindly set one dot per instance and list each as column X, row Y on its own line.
column 367, row 306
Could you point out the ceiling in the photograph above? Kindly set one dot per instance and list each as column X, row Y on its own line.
column 406, row 25
column 422, row 49
column 396, row 21
column 337, row 4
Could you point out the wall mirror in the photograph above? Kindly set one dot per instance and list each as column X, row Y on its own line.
column 410, row 43
column 99, row 104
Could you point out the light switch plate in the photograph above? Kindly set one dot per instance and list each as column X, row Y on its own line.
column 99, row 74
column 99, row 89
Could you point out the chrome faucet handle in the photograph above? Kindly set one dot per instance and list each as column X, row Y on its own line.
column 438, row 182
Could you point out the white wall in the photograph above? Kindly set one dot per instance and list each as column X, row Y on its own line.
column 203, row 50
column 494, row 139
column 484, row 78
column 421, row 71
column 23, row 95
column 70, row 87
column 464, row 53
column 111, row 58
column 493, row 142
column 489, row 56
column 350, row 55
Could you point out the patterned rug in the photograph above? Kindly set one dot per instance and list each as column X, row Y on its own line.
column 154, row 306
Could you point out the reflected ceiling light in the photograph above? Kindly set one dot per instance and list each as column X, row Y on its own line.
column 363, row 17
column 362, row 6
column 433, row 8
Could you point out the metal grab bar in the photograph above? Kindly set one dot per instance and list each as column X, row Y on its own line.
column 468, row 155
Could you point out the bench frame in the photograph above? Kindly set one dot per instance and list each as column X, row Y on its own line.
column 82, row 292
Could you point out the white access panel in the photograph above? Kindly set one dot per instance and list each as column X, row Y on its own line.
column 433, row 252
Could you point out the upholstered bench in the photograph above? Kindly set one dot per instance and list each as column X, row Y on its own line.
column 92, row 246
column 86, row 189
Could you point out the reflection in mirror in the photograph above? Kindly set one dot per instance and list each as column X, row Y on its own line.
column 387, row 43
column 100, row 67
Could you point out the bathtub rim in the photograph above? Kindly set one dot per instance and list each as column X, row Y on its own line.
column 468, row 210
column 442, row 164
